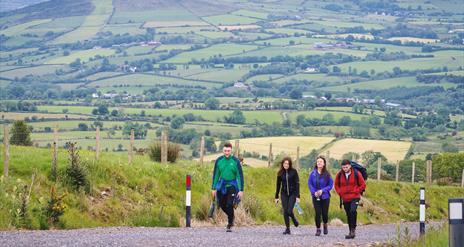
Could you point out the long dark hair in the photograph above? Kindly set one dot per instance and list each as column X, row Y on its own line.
column 324, row 172
column 282, row 169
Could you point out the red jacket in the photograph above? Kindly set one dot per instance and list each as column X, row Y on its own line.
column 350, row 191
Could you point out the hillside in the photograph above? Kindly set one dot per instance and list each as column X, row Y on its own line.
column 150, row 194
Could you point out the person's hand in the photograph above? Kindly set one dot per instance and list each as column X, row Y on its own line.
column 213, row 193
column 320, row 192
column 297, row 200
column 240, row 195
column 277, row 200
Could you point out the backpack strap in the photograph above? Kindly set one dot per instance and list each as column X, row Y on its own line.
column 356, row 177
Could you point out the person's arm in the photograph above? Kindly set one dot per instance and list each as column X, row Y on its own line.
column 329, row 186
column 278, row 184
column 297, row 184
column 215, row 174
column 240, row 175
column 311, row 187
column 337, row 189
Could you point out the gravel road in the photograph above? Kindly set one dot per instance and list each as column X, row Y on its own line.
column 368, row 235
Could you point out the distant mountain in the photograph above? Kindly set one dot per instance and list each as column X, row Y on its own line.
column 48, row 9
column 10, row 5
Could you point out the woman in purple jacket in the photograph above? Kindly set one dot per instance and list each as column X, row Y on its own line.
column 320, row 183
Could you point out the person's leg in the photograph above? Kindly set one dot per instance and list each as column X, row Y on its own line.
column 354, row 216
column 285, row 202
column 317, row 217
column 291, row 205
column 325, row 214
column 230, row 205
column 318, row 210
column 347, row 206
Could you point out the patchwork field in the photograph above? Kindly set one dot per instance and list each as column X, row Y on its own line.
column 393, row 150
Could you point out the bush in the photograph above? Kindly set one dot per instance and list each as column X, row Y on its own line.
column 75, row 173
column 155, row 152
column 55, row 207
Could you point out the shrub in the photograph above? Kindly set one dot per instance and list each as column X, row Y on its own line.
column 75, row 174
column 155, row 152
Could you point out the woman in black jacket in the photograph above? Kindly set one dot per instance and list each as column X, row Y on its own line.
column 289, row 186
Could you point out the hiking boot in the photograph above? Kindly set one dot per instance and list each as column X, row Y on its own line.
column 318, row 232
column 353, row 233
column 229, row 228
column 326, row 230
column 350, row 235
column 295, row 222
column 287, row 231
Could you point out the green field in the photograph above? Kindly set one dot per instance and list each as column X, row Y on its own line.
column 36, row 71
column 147, row 80
column 221, row 49
column 229, row 20
column 451, row 59
column 384, row 84
column 84, row 56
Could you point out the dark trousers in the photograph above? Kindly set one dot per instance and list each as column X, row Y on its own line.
column 351, row 213
column 226, row 202
column 288, row 202
column 322, row 209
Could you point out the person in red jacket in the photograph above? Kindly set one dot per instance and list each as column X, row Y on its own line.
column 349, row 184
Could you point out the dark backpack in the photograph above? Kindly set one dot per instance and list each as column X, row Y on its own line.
column 356, row 167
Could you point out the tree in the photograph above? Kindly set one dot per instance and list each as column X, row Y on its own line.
column 212, row 104
column 83, row 127
column 177, row 123
column 100, row 110
column 236, row 117
column 375, row 120
column 21, row 134
column 296, row 94
column 345, row 121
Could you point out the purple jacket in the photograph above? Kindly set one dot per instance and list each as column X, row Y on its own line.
column 325, row 184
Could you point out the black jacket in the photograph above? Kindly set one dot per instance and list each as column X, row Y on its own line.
column 290, row 178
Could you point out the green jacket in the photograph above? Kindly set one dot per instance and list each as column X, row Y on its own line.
column 228, row 169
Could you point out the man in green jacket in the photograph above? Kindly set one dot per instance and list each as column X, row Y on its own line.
column 227, row 182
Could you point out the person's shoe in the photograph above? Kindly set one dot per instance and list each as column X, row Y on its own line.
column 350, row 235
column 287, row 231
column 295, row 222
column 318, row 232
column 229, row 228
column 326, row 230
column 353, row 233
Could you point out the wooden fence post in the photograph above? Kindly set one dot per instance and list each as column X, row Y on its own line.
column 131, row 146
column 6, row 151
column 379, row 168
column 164, row 147
column 202, row 149
column 429, row 172
column 97, row 139
column 237, row 148
column 297, row 163
column 269, row 159
column 54, row 171
column 397, row 170
column 462, row 178
column 55, row 134
column 327, row 158
column 413, row 171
